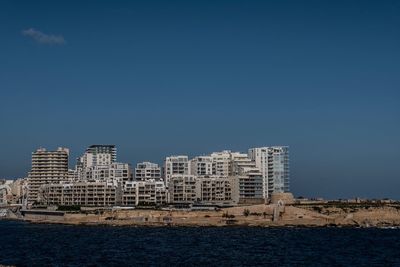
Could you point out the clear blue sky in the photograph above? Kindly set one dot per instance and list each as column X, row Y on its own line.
column 191, row 77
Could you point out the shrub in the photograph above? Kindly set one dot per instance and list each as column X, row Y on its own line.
column 246, row 212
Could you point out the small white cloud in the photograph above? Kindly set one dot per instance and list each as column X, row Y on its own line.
column 43, row 38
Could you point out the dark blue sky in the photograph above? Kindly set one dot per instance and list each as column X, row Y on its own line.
column 191, row 77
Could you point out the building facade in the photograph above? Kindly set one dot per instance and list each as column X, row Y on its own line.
column 147, row 171
column 273, row 163
column 182, row 189
column 216, row 190
column 97, row 155
column 88, row 194
column 119, row 172
column 202, row 165
column 148, row 192
column 47, row 167
column 175, row 165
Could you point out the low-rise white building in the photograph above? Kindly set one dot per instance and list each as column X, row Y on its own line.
column 89, row 194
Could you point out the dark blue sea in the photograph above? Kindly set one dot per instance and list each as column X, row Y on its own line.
column 24, row 244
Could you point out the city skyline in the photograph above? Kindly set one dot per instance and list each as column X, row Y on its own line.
column 157, row 79
column 222, row 178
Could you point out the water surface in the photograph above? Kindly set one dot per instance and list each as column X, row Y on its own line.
column 25, row 244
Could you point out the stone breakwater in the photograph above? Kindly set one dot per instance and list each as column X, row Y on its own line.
column 310, row 215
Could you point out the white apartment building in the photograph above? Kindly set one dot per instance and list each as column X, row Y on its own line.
column 147, row 171
column 216, row 190
column 182, row 188
column 223, row 162
column 95, row 155
column 119, row 172
column 175, row 165
column 89, row 194
column 273, row 163
column 202, row 165
column 148, row 192
column 98, row 155
column 248, row 179
column 47, row 167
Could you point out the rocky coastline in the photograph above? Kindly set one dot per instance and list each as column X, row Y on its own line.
column 295, row 215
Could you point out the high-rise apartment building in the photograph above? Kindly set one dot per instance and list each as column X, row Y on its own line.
column 47, row 167
column 273, row 162
column 98, row 155
column 95, row 155
column 147, row 171
column 175, row 165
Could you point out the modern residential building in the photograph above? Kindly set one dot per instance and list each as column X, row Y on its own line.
column 221, row 178
column 248, row 179
column 182, row 188
column 88, row 194
column 147, row 171
column 273, row 163
column 251, row 188
column 223, row 162
column 98, row 155
column 47, row 167
column 147, row 192
column 175, row 165
column 216, row 190
column 119, row 172
column 202, row 165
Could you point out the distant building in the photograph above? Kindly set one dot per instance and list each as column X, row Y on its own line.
column 97, row 155
column 147, row 171
column 182, row 188
column 221, row 178
column 202, row 165
column 88, row 194
column 47, row 167
column 104, row 193
column 273, row 163
column 216, row 190
column 148, row 192
column 249, row 181
column 175, row 165
column 119, row 172
column 13, row 191
column 222, row 162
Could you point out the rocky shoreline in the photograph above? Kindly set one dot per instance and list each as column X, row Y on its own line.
column 313, row 215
